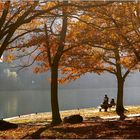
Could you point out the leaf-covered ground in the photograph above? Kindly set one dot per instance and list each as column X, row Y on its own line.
column 93, row 127
column 88, row 129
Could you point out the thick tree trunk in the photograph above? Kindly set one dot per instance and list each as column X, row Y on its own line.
column 119, row 106
column 56, row 119
column 6, row 42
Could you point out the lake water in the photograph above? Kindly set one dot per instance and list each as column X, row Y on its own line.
column 13, row 103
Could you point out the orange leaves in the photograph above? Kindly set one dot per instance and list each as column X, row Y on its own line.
column 9, row 58
column 67, row 79
column 69, row 74
column 80, row 60
column 128, row 62
column 40, row 69
column 109, row 69
column 6, row 4
column 1, row 5
column 66, row 70
column 36, row 40
column 92, row 34
column 47, row 5
column 36, row 70
column 1, row 59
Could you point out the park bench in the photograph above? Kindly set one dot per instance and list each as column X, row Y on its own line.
column 106, row 106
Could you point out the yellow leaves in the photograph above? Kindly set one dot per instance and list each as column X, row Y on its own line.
column 68, row 79
column 69, row 69
column 127, row 62
column 9, row 58
column 110, row 68
column 1, row 59
column 47, row 5
column 108, row 46
column 69, row 74
column 99, row 31
column 86, row 18
column 31, row 2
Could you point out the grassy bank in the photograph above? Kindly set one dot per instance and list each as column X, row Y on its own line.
column 96, row 125
column 87, row 113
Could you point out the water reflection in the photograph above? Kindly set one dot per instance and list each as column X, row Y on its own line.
column 11, row 106
column 13, row 103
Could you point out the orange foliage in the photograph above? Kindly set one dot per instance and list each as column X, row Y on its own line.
column 94, row 42
column 9, row 58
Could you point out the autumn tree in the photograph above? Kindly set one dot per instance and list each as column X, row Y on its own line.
column 14, row 15
column 107, row 31
column 52, row 45
column 17, row 18
column 123, row 40
column 132, row 38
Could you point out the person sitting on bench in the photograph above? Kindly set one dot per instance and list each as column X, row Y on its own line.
column 112, row 102
column 105, row 104
column 106, row 99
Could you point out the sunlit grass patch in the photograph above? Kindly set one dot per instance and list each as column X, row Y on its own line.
column 86, row 113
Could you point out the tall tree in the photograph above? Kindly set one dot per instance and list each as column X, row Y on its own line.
column 108, row 31
column 52, row 46
column 54, row 64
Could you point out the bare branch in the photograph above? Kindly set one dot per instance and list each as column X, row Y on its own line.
column 18, row 36
column 109, row 62
column 128, row 71
column 24, row 55
column 28, row 65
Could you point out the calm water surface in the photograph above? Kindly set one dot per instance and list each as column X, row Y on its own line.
column 13, row 103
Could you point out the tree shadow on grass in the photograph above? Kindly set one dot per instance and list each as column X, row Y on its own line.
column 64, row 131
column 132, row 129
column 36, row 135
column 96, row 118
column 74, row 132
column 127, row 129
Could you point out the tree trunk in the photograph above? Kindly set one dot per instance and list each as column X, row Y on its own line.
column 119, row 106
column 56, row 119
column 6, row 42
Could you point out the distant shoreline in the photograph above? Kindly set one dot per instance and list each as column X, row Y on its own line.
column 65, row 88
column 85, row 112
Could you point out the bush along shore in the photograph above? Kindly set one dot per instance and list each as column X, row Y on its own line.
column 95, row 125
